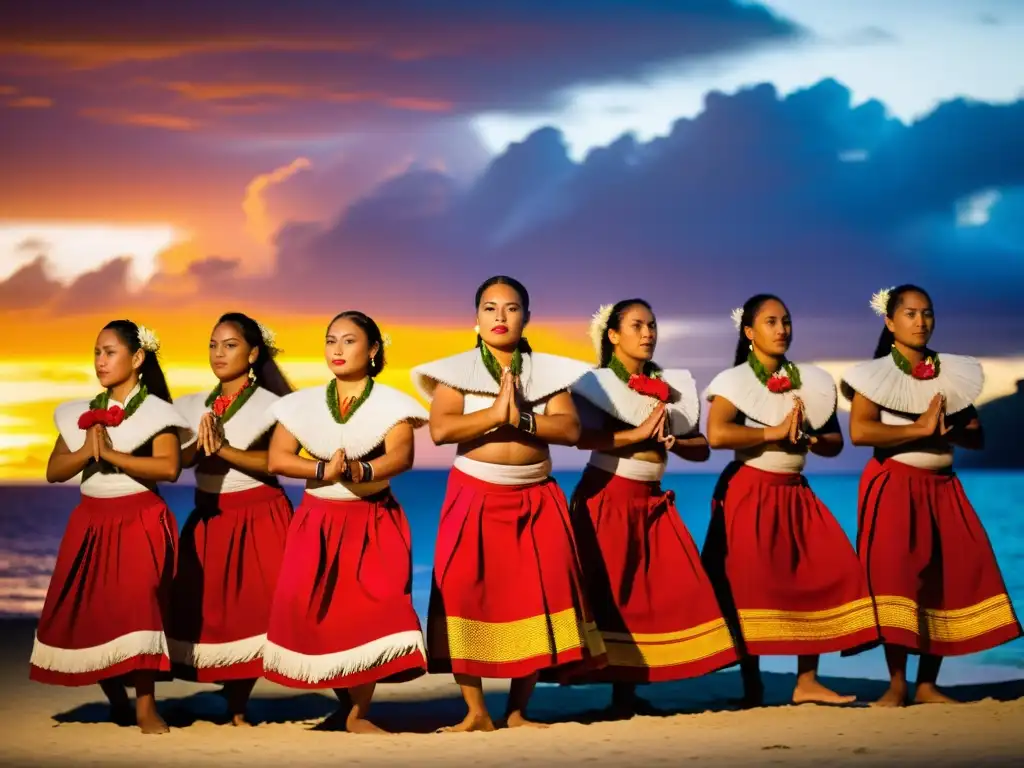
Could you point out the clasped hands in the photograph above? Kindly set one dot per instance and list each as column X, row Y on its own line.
column 339, row 468
column 792, row 427
column 656, row 427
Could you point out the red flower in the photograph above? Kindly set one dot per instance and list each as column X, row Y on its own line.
column 114, row 416
column 220, row 405
column 87, row 419
column 924, row 370
column 778, row 384
column 645, row 385
column 110, row 418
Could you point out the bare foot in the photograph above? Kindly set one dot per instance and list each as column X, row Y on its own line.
column 240, row 721
column 151, row 723
column 813, row 692
column 356, row 724
column 895, row 696
column 472, row 722
column 927, row 693
column 518, row 720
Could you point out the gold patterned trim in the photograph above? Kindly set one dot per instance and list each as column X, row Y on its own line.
column 768, row 625
column 668, row 649
column 945, row 626
column 511, row 641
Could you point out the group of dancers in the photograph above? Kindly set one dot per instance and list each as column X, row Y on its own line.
column 609, row 587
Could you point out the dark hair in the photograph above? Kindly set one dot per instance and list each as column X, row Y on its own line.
column 886, row 339
column 373, row 336
column 750, row 309
column 614, row 324
column 515, row 285
column 265, row 369
column 150, row 372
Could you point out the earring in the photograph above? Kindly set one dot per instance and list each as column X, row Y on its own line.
column 252, row 375
column 476, row 329
column 373, row 363
column 751, row 346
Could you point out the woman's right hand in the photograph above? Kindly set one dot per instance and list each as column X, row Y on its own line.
column 785, row 429
column 503, row 402
column 334, row 468
column 651, row 426
column 93, row 442
column 928, row 422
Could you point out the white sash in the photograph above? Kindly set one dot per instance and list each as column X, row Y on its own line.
column 504, row 474
column 960, row 379
column 631, row 469
column 604, row 390
column 151, row 418
column 741, row 387
column 248, row 424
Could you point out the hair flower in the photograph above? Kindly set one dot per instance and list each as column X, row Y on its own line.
column 599, row 327
column 148, row 339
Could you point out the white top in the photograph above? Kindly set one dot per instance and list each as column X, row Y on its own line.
column 542, row 376
column 247, row 425
column 928, row 459
column 305, row 414
column 761, row 407
column 151, row 418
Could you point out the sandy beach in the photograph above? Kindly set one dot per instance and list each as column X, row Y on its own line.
column 44, row 725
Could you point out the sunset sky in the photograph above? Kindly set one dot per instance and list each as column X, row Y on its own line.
column 293, row 160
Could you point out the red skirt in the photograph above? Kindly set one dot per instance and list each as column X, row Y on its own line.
column 934, row 578
column 107, row 604
column 653, row 603
column 507, row 597
column 785, row 573
column 228, row 560
column 342, row 612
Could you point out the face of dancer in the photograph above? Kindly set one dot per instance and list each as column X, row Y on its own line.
column 230, row 355
column 501, row 317
column 637, row 334
column 347, row 350
column 772, row 331
column 912, row 321
column 114, row 362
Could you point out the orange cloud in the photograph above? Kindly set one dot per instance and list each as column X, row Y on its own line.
column 234, row 91
column 420, row 105
column 30, row 102
column 142, row 119
column 7, row 90
column 254, row 205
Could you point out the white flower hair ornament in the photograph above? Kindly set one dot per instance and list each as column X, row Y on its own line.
column 880, row 301
column 269, row 339
column 148, row 339
column 737, row 317
column 599, row 327
column 385, row 339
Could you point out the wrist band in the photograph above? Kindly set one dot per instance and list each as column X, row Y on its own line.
column 527, row 423
column 346, row 473
column 320, row 467
column 367, row 471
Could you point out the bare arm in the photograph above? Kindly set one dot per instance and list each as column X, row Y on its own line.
column 866, row 427
column 692, row 447
column 163, row 466
column 64, row 463
column 828, row 441
column 283, row 458
column 724, row 432
column 559, row 424
column 601, row 439
column 448, row 424
column 399, row 454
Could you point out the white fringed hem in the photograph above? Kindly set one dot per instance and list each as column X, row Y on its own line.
column 314, row 669
column 80, row 660
column 214, row 655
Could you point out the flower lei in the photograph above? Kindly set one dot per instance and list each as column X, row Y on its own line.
column 494, row 368
column 649, row 382
column 783, row 380
column 224, row 407
column 98, row 412
column 342, row 412
column 923, row 371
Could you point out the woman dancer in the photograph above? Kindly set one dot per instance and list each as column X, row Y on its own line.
column 231, row 546
column 506, row 599
column 654, row 606
column 934, row 579
column 786, row 575
column 106, row 606
column 342, row 614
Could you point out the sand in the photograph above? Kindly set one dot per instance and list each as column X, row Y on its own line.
column 45, row 725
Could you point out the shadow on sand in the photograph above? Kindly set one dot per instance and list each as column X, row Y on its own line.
column 551, row 704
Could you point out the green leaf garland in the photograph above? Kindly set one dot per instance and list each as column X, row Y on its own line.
column 494, row 368
column 247, row 391
column 650, row 369
column 788, row 368
column 904, row 365
column 335, row 408
column 102, row 401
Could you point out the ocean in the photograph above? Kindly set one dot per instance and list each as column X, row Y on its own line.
column 32, row 520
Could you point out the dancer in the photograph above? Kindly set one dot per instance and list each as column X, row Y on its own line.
column 342, row 614
column 786, row 575
column 654, row 605
column 934, row 579
column 105, row 611
column 507, row 600
column 231, row 546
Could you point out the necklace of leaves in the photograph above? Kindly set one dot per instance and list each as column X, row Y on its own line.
column 240, row 398
column 905, row 365
column 650, row 370
column 787, row 368
column 351, row 405
column 102, row 401
column 494, row 368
